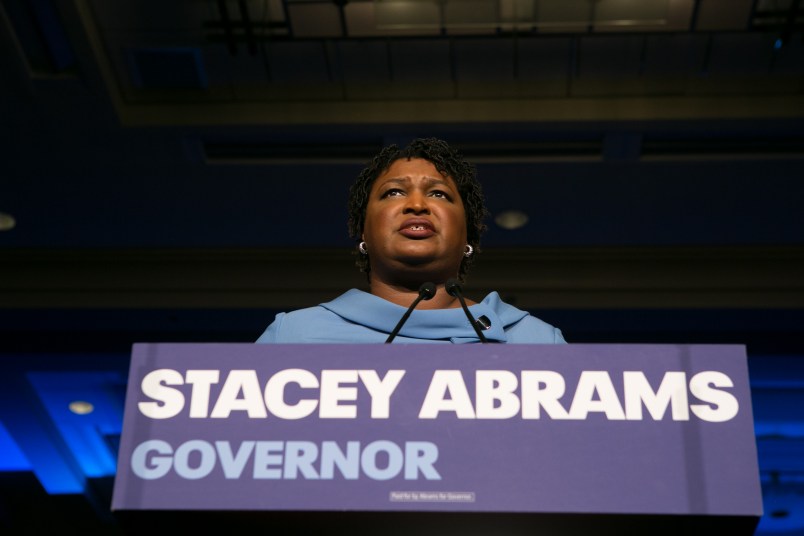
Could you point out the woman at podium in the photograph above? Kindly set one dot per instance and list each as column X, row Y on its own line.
column 416, row 214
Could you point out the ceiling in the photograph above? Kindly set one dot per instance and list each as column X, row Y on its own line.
column 179, row 171
column 219, row 124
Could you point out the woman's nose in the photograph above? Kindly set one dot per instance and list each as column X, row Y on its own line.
column 416, row 204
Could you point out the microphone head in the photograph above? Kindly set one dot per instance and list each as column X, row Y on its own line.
column 427, row 290
column 452, row 287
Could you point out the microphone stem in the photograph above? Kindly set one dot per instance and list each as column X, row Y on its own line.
column 404, row 318
column 471, row 318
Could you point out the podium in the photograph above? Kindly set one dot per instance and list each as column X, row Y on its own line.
column 469, row 439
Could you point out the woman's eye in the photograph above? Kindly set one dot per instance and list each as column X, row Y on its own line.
column 393, row 192
column 439, row 194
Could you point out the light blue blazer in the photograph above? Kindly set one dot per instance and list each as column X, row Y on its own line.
column 360, row 317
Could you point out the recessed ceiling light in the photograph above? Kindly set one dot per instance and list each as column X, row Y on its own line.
column 81, row 407
column 511, row 219
column 7, row 222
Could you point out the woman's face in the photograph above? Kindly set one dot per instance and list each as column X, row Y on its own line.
column 415, row 221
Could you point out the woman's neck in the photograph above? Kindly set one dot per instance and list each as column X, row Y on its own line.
column 404, row 296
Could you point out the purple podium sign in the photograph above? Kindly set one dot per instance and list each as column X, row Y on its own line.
column 578, row 429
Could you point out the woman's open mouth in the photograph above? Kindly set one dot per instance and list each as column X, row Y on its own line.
column 416, row 228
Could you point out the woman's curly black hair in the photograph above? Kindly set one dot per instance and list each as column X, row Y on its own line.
column 448, row 162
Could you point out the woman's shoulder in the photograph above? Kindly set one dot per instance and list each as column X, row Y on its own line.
column 326, row 322
column 295, row 325
column 520, row 326
column 532, row 330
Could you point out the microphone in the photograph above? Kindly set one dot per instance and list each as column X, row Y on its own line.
column 426, row 292
column 453, row 288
